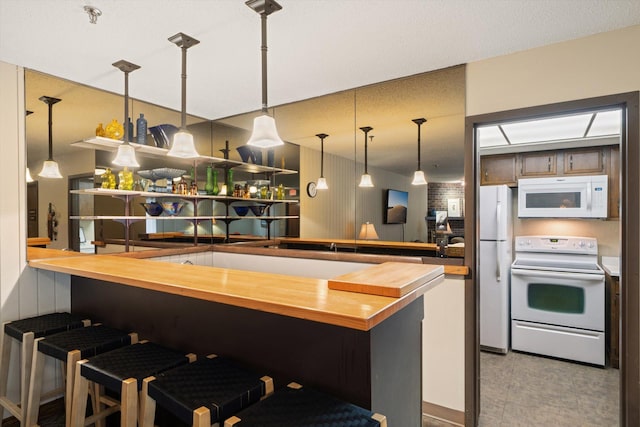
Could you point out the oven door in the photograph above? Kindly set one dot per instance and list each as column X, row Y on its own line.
column 558, row 298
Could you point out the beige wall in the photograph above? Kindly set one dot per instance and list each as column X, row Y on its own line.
column 602, row 64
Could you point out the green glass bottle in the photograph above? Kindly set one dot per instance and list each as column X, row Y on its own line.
column 209, row 185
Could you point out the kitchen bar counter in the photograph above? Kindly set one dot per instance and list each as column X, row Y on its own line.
column 292, row 296
column 363, row 348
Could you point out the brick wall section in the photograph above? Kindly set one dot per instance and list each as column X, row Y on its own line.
column 437, row 200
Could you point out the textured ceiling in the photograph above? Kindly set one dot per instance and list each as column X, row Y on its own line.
column 316, row 47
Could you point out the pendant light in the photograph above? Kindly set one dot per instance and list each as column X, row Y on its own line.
column 28, row 174
column 126, row 155
column 50, row 167
column 365, row 179
column 265, row 134
column 418, row 176
column 183, row 145
column 322, row 182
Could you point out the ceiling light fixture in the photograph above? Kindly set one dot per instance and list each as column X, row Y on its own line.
column 50, row 167
column 418, row 176
column 126, row 155
column 265, row 134
column 322, row 182
column 365, row 179
column 183, row 145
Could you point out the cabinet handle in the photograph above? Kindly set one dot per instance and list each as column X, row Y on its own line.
column 549, row 164
column 486, row 173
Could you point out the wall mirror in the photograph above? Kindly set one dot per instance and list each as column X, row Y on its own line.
column 336, row 213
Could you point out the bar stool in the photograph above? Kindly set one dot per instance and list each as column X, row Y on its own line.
column 120, row 371
column 69, row 347
column 296, row 406
column 26, row 331
column 203, row 392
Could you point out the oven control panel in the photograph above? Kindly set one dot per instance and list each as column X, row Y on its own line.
column 557, row 244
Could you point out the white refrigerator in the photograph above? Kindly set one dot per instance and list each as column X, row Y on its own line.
column 495, row 259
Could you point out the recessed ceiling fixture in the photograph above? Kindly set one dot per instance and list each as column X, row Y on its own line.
column 93, row 13
column 322, row 182
column 265, row 134
column 418, row 175
column 183, row 145
column 50, row 167
column 126, row 155
column 365, row 179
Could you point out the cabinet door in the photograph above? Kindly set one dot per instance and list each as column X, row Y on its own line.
column 587, row 161
column 500, row 169
column 614, row 182
column 538, row 164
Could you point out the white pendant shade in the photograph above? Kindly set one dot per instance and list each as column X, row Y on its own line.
column 126, row 156
column 368, row 232
column 183, row 146
column 418, row 178
column 322, row 184
column 50, row 170
column 265, row 134
column 29, row 178
column 365, row 181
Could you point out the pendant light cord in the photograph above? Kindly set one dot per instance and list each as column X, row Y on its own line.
column 263, row 49
column 183, row 106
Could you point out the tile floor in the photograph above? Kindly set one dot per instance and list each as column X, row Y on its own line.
column 526, row 390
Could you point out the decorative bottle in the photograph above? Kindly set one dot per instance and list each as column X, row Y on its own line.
column 114, row 130
column 100, row 130
column 141, row 130
column 216, row 188
column 130, row 127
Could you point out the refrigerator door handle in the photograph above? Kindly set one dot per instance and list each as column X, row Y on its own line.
column 498, row 237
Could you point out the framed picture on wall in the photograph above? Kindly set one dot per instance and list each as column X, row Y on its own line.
column 453, row 208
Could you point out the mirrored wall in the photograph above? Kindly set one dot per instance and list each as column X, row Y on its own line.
column 337, row 213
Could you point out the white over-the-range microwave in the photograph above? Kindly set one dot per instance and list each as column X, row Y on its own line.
column 563, row 197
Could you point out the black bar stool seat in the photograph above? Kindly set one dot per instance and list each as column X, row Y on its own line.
column 204, row 392
column 121, row 371
column 25, row 331
column 70, row 347
column 297, row 406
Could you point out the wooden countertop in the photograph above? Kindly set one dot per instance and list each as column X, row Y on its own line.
column 34, row 253
column 382, row 244
column 38, row 241
column 292, row 296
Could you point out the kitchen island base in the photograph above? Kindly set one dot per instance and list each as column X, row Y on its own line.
column 379, row 369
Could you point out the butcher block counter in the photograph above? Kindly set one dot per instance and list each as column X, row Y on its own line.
column 344, row 336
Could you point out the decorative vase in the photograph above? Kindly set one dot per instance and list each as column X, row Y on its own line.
column 208, row 187
column 141, row 130
column 114, row 130
column 229, row 180
column 130, row 129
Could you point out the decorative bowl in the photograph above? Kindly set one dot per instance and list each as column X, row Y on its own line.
column 172, row 208
column 241, row 210
column 163, row 134
column 152, row 208
column 258, row 210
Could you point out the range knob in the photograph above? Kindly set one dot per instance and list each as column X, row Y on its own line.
column 591, row 245
column 581, row 244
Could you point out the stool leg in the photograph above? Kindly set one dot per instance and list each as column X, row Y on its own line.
column 73, row 357
column 202, row 417
column 147, row 404
column 27, row 359
column 5, row 360
column 129, row 403
column 80, row 390
column 35, row 386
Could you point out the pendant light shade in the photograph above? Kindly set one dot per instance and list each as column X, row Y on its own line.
column 50, row 167
column 365, row 179
column 322, row 182
column 265, row 134
column 418, row 176
column 126, row 155
column 28, row 175
column 183, row 145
